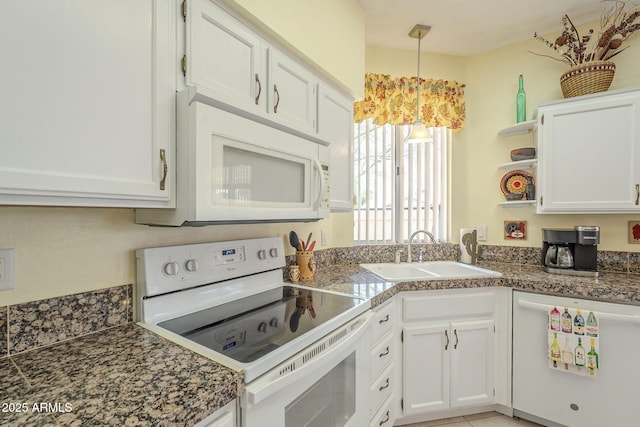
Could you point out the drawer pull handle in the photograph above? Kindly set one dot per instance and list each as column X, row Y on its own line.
column 275, row 107
column 165, row 168
column 386, row 319
column 259, row 88
column 446, row 335
column 637, row 194
column 386, row 352
column 386, row 419
column 455, row 332
column 386, row 385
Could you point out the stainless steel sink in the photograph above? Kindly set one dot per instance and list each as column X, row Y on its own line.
column 430, row 270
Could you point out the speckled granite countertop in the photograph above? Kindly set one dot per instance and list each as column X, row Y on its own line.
column 121, row 376
column 130, row 376
column 612, row 287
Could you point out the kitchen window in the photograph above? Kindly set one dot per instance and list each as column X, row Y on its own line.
column 399, row 187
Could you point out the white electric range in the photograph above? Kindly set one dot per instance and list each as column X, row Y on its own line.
column 228, row 301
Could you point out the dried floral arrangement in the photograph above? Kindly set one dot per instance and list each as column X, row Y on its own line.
column 616, row 25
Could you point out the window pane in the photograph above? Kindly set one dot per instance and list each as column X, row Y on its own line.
column 388, row 207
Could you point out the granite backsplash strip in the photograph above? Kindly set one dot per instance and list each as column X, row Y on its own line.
column 41, row 323
column 609, row 261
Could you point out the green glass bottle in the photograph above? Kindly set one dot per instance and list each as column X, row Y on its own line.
column 592, row 359
column 521, row 102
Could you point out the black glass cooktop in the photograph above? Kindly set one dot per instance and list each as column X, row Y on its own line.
column 248, row 328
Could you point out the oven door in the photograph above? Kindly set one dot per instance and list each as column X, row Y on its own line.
column 329, row 391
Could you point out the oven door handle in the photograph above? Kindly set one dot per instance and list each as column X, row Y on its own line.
column 265, row 387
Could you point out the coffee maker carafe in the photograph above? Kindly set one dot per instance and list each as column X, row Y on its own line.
column 571, row 251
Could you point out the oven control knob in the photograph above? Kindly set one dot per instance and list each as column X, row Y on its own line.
column 262, row 254
column 262, row 327
column 171, row 268
column 191, row 265
column 273, row 252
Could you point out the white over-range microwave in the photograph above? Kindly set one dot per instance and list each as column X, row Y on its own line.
column 231, row 169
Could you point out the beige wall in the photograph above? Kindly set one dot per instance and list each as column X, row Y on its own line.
column 60, row 251
column 491, row 84
column 329, row 32
column 490, row 95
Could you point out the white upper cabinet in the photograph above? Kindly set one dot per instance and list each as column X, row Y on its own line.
column 335, row 125
column 589, row 154
column 225, row 57
column 234, row 67
column 292, row 92
column 87, row 111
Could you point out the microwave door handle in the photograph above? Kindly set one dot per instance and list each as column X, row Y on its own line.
column 319, row 183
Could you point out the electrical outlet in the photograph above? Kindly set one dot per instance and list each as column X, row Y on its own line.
column 7, row 281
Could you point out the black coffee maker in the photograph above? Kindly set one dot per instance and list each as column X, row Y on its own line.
column 571, row 250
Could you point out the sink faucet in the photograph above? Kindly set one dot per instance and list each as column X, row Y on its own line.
column 431, row 236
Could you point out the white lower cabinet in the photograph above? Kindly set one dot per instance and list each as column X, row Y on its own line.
column 455, row 356
column 383, row 356
column 448, row 365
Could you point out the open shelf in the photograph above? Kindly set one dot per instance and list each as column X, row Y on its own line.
column 519, row 128
column 518, row 204
column 520, row 164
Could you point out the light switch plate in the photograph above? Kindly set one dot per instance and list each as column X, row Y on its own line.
column 7, row 276
column 482, row 232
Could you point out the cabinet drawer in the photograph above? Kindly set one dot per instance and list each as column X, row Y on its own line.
column 380, row 390
column 385, row 416
column 383, row 320
column 448, row 306
column 382, row 355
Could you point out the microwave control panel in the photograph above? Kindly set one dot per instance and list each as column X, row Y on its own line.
column 326, row 190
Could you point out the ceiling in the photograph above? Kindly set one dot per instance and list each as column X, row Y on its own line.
column 468, row 27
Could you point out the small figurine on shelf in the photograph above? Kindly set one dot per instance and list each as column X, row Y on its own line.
column 530, row 191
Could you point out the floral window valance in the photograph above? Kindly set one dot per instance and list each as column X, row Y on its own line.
column 393, row 101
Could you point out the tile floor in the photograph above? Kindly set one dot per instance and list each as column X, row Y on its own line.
column 488, row 419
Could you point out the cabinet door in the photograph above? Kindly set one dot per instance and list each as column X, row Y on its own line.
column 589, row 155
column 426, row 362
column 291, row 92
column 87, row 103
column 472, row 379
column 225, row 57
column 335, row 125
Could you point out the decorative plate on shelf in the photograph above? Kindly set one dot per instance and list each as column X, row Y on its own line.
column 515, row 182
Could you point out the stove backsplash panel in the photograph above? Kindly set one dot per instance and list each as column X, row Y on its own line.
column 41, row 323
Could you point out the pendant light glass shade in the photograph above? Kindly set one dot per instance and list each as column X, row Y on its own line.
column 419, row 132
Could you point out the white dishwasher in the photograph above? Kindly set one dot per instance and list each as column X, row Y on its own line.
column 553, row 398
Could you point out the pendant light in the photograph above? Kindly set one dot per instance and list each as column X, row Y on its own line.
column 419, row 132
